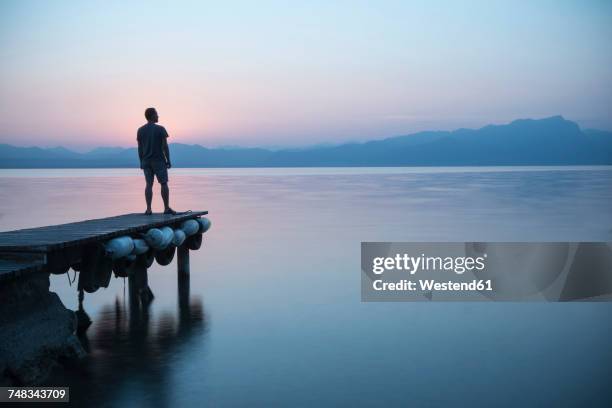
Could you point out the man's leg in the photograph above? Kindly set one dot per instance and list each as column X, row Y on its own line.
column 149, row 196
column 162, row 177
column 148, row 189
column 165, row 193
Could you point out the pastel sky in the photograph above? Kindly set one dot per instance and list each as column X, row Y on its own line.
column 259, row 73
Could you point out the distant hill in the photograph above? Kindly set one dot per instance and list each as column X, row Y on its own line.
column 550, row 141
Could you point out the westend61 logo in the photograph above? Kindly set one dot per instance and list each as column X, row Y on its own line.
column 414, row 264
column 485, row 271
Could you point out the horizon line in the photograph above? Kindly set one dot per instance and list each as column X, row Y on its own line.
column 301, row 147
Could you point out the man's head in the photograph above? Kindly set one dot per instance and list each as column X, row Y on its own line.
column 151, row 115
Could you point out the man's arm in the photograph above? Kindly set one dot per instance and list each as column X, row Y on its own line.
column 139, row 149
column 166, row 151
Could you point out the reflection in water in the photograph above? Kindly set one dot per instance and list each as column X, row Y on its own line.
column 83, row 320
column 131, row 352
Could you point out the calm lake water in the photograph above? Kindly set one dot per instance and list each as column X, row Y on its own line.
column 273, row 313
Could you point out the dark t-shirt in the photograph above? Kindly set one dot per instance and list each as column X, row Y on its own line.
column 151, row 139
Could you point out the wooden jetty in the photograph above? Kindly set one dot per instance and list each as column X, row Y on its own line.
column 35, row 249
column 37, row 331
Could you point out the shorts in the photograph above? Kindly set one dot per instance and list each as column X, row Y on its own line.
column 157, row 169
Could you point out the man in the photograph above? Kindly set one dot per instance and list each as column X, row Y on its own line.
column 154, row 158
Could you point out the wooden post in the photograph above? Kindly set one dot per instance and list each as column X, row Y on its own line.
column 182, row 260
column 183, row 278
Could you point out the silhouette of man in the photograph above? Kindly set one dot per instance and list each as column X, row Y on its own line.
column 154, row 158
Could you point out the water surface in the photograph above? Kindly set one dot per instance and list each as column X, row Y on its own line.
column 272, row 314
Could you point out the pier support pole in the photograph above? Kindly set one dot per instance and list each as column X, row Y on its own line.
column 183, row 278
column 182, row 260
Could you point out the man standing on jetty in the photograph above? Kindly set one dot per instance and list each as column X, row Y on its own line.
column 154, row 158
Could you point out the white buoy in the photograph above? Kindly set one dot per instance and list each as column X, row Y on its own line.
column 119, row 247
column 179, row 237
column 140, row 246
column 168, row 236
column 205, row 224
column 155, row 238
column 190, row 227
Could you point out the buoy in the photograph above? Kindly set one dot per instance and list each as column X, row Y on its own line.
column 103, row 277
column 119, row 247
column 168, row 234
column 96, row 268
column 205, row 224
column 146, row 259
column 165, row 256
column 179, row 237
column 120, row 267
column 194, row 242
column 155, row 238
column 190, row 227
column 140, row 247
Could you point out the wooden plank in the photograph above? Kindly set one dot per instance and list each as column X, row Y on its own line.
column 15, row 265
column 54, row 237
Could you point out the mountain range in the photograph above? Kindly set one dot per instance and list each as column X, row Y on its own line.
column 549, row 141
